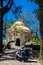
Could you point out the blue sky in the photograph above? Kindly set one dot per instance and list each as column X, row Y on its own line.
column 27, row 6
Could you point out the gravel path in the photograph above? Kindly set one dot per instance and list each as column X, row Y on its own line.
column 8, row 58
column 15, row 62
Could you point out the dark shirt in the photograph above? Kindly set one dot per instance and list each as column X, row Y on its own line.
column 25, row 52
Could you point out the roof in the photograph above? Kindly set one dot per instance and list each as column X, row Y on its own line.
column 23, row 27
column 19, row 26
column 19, row 23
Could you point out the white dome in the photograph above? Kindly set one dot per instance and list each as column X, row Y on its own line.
column 19, row 26
column 23, row 27
column 19, row 23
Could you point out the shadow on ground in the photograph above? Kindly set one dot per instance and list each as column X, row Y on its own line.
column 10, row 55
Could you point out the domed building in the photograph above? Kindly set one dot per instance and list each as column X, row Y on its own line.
column 18, row 33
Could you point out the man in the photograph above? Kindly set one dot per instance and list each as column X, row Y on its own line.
column 24, row 54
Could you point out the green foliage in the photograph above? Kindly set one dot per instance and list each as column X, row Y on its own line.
column 7, row 24
column 37, row 41
column 3, row 42
column 17, row 9
column 40, row 10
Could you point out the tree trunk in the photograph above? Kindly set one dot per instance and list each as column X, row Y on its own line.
column 41, row 31
column 41, row 26
column 3, row 10
column 1, row 27
column 1, row 45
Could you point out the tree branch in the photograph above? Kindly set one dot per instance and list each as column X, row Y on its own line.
column 7, row 7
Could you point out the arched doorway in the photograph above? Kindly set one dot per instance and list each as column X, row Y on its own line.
column 17, row 42
column 10, row 44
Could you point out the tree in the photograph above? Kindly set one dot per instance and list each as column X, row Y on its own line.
column 17, row 12
column 40, row 16
column 28, row 23
column 3, row 10
column 6, row 25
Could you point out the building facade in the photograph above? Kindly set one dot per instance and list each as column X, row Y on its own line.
column 19, row 37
